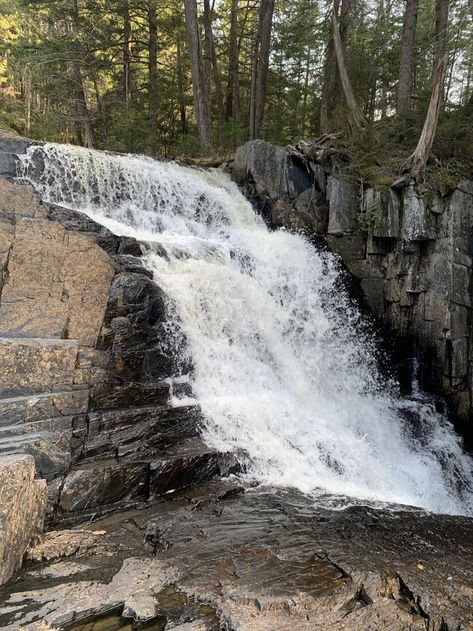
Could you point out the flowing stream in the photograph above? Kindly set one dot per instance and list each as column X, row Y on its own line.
column 284, row 366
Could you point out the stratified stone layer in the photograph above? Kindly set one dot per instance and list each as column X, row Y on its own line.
column 87, row 361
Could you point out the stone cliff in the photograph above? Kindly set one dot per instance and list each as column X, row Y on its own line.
column 409, row 249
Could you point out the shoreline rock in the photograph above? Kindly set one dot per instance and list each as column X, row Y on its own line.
column 254, row 559
column 22, row 510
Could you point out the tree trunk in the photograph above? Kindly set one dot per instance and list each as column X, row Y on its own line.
column 441, row 35
column 83, row 131
column 452, row 62
column 232, row 105
column 306, row 90
column 254, row 72
column 404, row 99
column 27, row 98
column 126, row 53
column 383, row 80
column 180, row 86
column 260, row 72
column 441, row 31
column 331, row 77
column 152, row 68
column 324, row 97
column 356, row 119
column 343, row 30
column 82, row 118
column 266, row 21
column 201, row 97
column 98, row 98
column 212, row 63
column 418, row 159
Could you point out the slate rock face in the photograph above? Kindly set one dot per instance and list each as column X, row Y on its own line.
column 411, row 253
column 343, row 202
column 285, row 191
column 22, row 510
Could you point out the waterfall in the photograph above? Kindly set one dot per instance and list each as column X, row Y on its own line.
column 285, row 368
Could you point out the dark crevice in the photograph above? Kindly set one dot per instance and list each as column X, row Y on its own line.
column 413, row 600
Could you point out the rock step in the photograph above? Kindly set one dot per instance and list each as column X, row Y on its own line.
column 18, row 444
column 36, row 365
column 36, row 407
column 123, row 433
column 187, row 464
column 29, row 432
column 56, row 429
column 48, row 441
column 42, row 425
column 97, row 485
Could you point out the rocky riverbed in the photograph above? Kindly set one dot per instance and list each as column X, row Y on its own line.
column 226, row 556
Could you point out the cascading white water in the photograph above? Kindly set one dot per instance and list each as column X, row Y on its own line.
column 284, row 368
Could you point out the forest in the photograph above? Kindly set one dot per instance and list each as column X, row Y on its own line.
column 198, row 78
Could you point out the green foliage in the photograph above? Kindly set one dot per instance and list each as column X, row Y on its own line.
column 443, row 176
column 378, row 155
column 40, row 41
column 129, row 130
column 11, row 115
column 370, row 220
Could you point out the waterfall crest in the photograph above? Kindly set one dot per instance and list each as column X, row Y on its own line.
column 284, row 366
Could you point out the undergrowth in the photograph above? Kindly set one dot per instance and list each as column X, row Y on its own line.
column 378, row 155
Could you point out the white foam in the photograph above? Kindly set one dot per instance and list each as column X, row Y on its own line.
column 283, row 367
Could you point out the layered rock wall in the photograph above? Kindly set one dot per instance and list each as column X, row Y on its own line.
column 410, row 250
column 89, row 353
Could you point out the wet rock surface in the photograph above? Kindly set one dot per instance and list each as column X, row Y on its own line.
column 222, row 556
